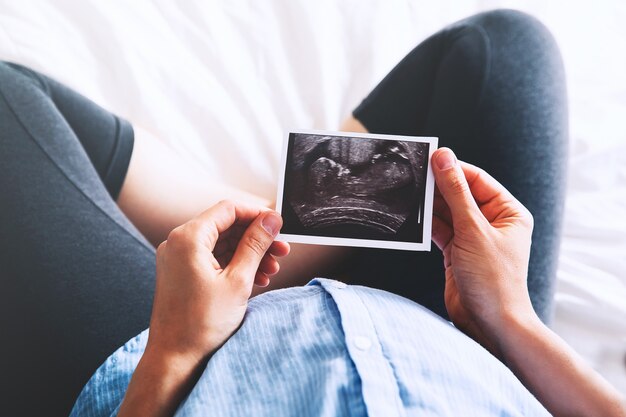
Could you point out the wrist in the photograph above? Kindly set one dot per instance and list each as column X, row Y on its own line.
column 515, row 329
column 503, row 327
column 159, row 383
column 167, row 361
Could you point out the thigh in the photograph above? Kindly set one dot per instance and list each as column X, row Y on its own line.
column 76, row 278
column 492, row 88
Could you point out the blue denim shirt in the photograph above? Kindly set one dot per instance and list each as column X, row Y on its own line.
column 329, row 349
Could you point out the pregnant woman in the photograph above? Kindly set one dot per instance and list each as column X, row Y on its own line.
column 86, row 198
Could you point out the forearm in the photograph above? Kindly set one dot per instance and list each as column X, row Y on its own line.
column 554, row 373
column 162, row 190
column 158, row 385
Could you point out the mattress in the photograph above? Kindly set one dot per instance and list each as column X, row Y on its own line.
column 221, row 81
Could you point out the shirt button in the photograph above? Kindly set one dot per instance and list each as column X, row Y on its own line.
column 339, row 284
column 362, row 343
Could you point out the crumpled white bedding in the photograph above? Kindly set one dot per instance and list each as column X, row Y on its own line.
column 221, row 81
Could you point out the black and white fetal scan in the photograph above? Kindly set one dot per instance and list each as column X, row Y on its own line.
column 355, row 187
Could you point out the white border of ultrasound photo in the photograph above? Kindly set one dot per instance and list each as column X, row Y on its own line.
column 367, row 243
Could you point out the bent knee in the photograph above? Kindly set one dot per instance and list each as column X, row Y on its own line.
column 516, row 27
column 11, row 73
column 511, row 17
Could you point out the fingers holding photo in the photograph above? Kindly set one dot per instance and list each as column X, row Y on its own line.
column 279, row 248
column 205, row 274
column 442, row 233
column 255, row 243
column 226, row 218
column 224, row 225
column 461, row 188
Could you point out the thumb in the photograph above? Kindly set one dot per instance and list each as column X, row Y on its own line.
column 254, row 243
column 453, row 186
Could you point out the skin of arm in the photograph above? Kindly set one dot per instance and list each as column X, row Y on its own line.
column 205, row 273
column 162, row 191
column 484, row 234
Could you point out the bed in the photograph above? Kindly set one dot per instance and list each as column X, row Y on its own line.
column 221, row 81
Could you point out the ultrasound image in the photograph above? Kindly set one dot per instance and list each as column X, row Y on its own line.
column 353, row 187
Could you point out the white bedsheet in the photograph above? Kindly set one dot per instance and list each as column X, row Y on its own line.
column 221, row 81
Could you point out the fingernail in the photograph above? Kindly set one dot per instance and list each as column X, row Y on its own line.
column 271, row 223
column 445, row 159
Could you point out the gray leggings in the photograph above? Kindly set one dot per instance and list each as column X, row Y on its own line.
column 76, row 278
column 492, row 88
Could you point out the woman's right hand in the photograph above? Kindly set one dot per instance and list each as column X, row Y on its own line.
column 205, row 272
column 484, row 234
